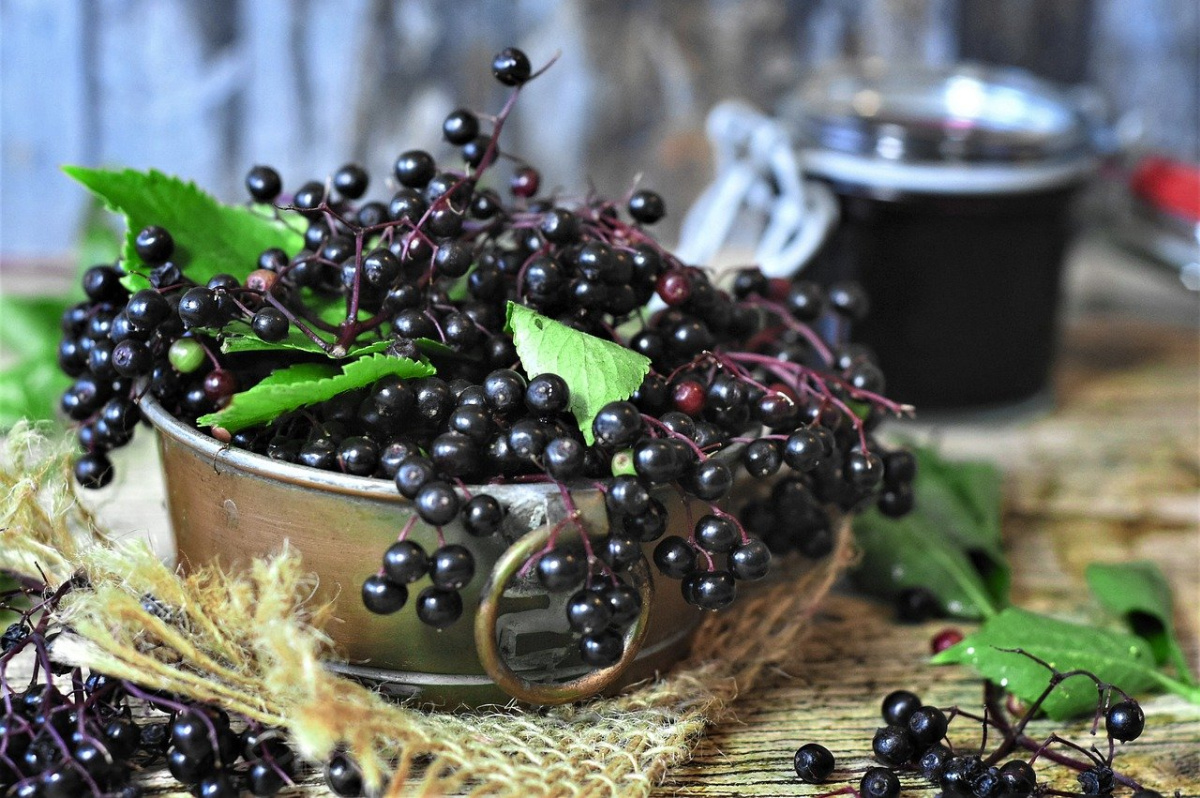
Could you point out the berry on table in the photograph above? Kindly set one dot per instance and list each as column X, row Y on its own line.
column 814, row 763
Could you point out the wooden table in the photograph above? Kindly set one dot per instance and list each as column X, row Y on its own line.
column 1111, row 472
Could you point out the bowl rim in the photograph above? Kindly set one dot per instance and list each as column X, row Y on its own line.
column 223, row 454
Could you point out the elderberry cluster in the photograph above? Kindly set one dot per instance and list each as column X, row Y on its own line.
column 914, row 741
column 67, row 735
column 741, row 379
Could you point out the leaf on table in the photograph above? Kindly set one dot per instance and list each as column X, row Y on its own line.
column 305, row 384
column 949, row 544
column 1114, row 657
column 964, row 498
column 210, row 238
column 1139, row 593
column 597, row 371
column 903, row 553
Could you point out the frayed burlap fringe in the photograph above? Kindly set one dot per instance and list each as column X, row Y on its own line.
column 252, row 642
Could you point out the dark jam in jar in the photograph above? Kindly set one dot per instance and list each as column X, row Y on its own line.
column 955, row 190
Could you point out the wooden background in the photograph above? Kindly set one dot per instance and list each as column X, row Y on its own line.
column 206, row 88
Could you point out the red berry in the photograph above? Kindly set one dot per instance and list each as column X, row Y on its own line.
column 688, row 396
column 219, row 385
column 944, row 639
column 674, row 287
column 525, row 182
column 779, row 289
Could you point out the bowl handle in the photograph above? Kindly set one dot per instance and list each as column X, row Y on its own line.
column 493, row 662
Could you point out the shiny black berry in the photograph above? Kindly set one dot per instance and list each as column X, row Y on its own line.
column 561, row 569
column 879, row 783
column 351, row 181
column 437, row 502
column 511, row 67
column 451, row 567
column 750, row 560
column 927, row 725
column 647, row 207
column 439, row 608
column 382, row 596
column 269, row 324
column 602, row 649
column 893, row 745
column 814, row 763
column 154, row 245
column 343, row 776
column 898, row 707
column 263, row 183
column 588, row 612
column 1125, row 721
column 1020, row 779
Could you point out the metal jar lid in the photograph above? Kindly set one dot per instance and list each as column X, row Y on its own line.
column 964, row 128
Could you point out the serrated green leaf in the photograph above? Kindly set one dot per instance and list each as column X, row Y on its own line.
column 910, row 552
column 233, row 343
column 1139, row 593
column 210, row 238
column 1114, row 657
column 596, row 371
column 305, row 384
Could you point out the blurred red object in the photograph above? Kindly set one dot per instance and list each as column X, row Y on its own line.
column 1171, row 186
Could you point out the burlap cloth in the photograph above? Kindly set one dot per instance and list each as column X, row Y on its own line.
column 252, row 643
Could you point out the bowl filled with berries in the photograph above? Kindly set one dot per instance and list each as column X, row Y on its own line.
column 515, row 478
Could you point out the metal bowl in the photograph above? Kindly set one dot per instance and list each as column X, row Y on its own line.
column 229, row 505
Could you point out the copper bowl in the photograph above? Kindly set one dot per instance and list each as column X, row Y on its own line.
column 230, row 505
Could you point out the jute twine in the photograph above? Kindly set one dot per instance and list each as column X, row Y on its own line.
column 253, row 643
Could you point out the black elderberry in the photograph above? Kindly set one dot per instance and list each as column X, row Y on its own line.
column 649, row 525
column 1125, row 721
column 547, row 394
column 263, row 779
column 655, row 461
column 863, row 469
column 154, row 245
column 602, row 649
column 147, row 308
column 451, row 567
column 511, row 67
column 916, row 605
column 269, row 324
column 803, row 450
column 893, row 745
column 711, row 590
column 321, row 454
column 198, row 307
column 434, row 400
column 63, row 781
column 405, row 562
column 1096, row 780
column 716, row 534
column 263, row 183
column 959, row 774
column 588, row 612
column 988, row 784
column 310, row 196
column 439, row 608
column 627, row 496
column 452, row 258
column 1020, row 779
column 675, row 557
column 617, row 425
column 897, row 501
column 898, row 707
column 646, row 207
column 625, row 603
column 504, row 390
column 561, row 569
column 103, row 284
column 482, row 515
column 454, row 454
column 932, row 762
column 93, row 470
column 814, row 763
column 185, row 768
column 129, row 358
column 806, row 301
column 436, row 502
column 761, row 458
column 351, row 181
column 564, row 459
column 750, row 561
column 879, row 783
column 382, row 596
column 849, row 300
column 620, row 551
column 710, row 481
column 927, row 725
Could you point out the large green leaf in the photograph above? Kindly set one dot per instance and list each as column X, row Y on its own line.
column 210, row 238
column 597, row 371
column 1138, row 592
column 949, row 544
column 305, row 384
column 31, row 383
column 1114, row 657
column 911, row 552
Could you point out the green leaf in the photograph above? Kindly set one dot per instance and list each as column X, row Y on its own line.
column 30, row 389
column 597, row 371
column 306, row 384
column 236, row 342
column 963, row 498
column 910, row 552
column 949, row 544
column 99, row 241
column 1114, row 657
column 1138, row 592
column 29, row 324
column 210, row 238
